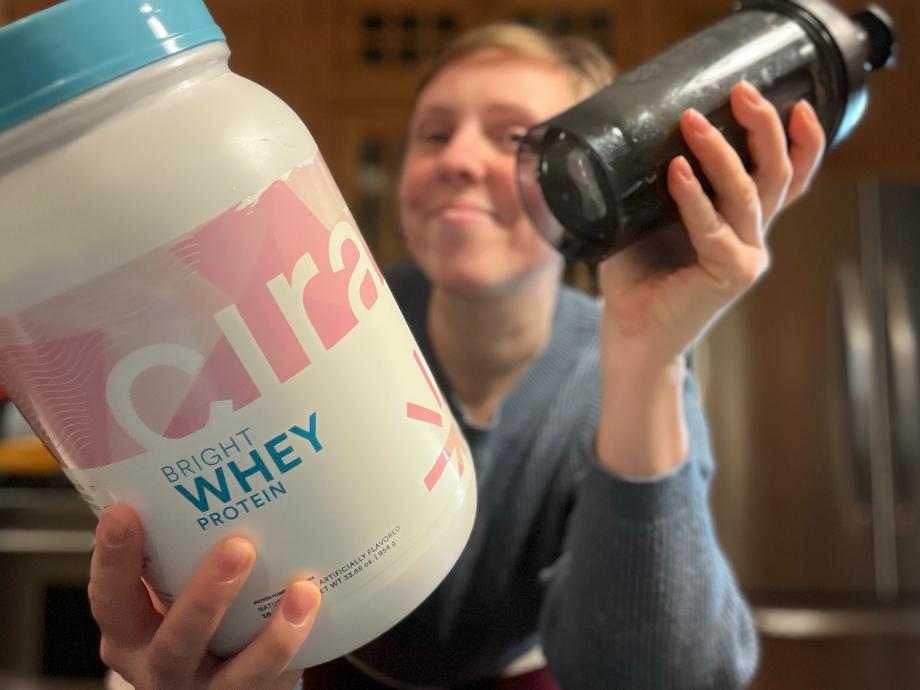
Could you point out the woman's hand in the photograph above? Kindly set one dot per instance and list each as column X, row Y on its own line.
column 155, row 649
column 659, row 297
column 658, row 312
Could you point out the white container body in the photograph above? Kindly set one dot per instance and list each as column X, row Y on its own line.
column 193, row 324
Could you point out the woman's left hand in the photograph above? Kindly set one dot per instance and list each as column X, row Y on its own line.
column 657, row 313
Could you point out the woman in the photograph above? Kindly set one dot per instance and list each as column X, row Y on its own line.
column 593, row 537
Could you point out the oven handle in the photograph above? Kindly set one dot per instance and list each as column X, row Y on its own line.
column 46, row 541
column 855, row 333
column 905, row 376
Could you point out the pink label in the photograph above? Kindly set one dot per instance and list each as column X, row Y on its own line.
column 201, row 326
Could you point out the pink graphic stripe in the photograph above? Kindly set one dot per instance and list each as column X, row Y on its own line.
column 434, row 391
column 435, row 473
column 452, row 450
column 457, row 446
column 458, row 454
column 423, row 414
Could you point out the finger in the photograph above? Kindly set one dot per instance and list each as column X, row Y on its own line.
column 737, row 199
column 115, row 585
column 181, row 641
column 808, row 142
column 730, row 263
column 767, row 145
column 272, row 651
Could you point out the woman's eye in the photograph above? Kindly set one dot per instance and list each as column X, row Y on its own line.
column 434, row 136
column 511, row 138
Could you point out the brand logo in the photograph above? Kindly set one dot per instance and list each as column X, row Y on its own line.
column 178, row 340
column 269, row 335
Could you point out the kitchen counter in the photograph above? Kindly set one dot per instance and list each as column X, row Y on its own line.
column 26, row 454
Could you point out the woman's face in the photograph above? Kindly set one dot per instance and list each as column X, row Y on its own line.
column 461, row 214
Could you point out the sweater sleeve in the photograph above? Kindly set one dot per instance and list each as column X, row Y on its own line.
column 642, row 597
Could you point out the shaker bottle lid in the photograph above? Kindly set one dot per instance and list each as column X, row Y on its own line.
column 77, row 45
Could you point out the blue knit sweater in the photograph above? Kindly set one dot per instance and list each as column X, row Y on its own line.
column 623, row 583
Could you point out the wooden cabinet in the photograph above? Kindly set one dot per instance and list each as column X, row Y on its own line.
column 380, row 46
column 594, row 19
column 283, row 46
column 365, row 156
column 661, row 23
column 11, row 10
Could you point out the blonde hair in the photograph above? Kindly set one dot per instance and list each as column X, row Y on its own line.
column 584, row 61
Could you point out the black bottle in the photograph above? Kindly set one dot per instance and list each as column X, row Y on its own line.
column 593, row 178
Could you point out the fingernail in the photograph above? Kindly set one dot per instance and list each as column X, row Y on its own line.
column 113, row 531
column 699, row 123
column 234, row 559
column 297, row 604
column 809, row 111
column 751, row 94
column 683, row 169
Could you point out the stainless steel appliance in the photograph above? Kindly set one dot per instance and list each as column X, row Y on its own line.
column 813, row 388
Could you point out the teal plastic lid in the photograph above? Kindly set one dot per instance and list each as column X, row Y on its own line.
column 75, row 46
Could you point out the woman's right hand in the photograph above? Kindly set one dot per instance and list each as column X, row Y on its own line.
column 153, row 650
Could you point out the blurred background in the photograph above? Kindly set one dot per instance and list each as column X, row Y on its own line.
column 812, row 383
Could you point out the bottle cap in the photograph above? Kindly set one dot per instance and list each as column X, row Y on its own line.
column 77, row 45
column 880, row 31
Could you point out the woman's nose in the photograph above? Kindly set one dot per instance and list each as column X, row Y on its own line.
column 464, row 157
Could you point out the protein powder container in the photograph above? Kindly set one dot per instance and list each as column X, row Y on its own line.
column 192, row 323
